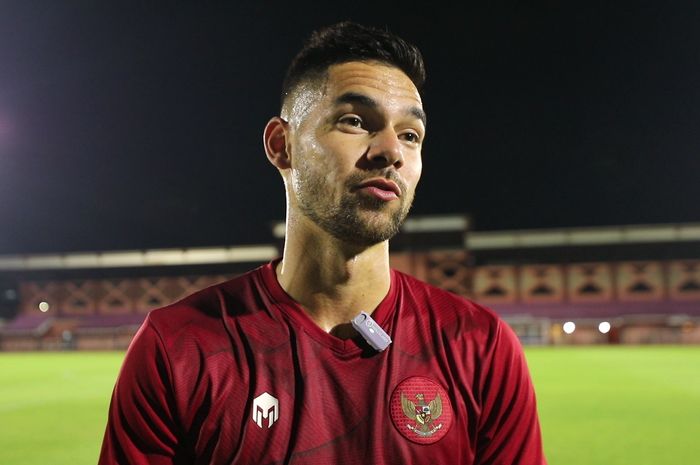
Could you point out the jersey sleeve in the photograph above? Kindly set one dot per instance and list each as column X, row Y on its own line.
column 509, row 429
column 141, row 424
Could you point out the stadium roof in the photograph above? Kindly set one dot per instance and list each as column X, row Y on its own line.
column 483, row 240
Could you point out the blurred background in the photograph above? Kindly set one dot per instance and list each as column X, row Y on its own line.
column 560, row 187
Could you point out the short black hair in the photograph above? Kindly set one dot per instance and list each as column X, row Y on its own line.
column 349, row 41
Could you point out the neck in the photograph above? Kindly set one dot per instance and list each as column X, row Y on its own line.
column 331, row 279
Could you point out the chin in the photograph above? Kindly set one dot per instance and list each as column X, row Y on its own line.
column 373, row 230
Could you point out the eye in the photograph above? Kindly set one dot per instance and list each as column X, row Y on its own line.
column 410, row 137
column 351, row 120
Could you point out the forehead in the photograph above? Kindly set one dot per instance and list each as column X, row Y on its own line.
column 380, row 81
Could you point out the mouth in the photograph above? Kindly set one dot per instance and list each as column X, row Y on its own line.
column 381, row 188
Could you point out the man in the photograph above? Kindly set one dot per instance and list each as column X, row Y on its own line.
column 267, row 369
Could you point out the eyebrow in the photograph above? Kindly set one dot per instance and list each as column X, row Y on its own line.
column 361, row 99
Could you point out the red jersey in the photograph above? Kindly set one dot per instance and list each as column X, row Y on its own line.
column 239, row 374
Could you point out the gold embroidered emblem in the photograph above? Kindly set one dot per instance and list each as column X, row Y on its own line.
column 424, row 415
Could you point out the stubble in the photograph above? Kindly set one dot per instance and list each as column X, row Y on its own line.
column 354, row 217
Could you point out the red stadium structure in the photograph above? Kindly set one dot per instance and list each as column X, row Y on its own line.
column 641, row 282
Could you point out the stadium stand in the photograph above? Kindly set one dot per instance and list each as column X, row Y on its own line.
column 643, row 282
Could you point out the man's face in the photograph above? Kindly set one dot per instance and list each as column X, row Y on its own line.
column 355, row 151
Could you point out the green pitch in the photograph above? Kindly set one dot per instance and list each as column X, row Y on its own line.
column 598, row 405
column 626, row 405
column 53, row 406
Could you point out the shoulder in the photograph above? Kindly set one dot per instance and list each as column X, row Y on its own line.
column 444, row 305
column 200, row 315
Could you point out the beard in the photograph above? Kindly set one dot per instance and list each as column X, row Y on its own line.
column 353, row 218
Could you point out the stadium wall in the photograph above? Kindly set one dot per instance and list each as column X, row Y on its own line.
column 646, row 291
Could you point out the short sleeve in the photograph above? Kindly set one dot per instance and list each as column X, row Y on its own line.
column 141, row 425
column 509, row 429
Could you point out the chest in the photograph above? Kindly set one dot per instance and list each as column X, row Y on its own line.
column 299, row 402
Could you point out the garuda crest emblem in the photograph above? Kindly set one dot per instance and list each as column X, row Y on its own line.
column 421, row 410
column 425, row 415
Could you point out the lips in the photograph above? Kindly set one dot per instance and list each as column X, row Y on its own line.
column 381, row 185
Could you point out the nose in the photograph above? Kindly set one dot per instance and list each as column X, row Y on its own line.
column 385, row 149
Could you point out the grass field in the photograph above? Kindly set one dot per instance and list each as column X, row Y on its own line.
column 598, row 405
column 621, row 405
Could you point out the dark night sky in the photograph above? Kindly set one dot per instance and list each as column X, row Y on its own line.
column 140, row 126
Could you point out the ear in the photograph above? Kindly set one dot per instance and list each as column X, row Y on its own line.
column 275, row 142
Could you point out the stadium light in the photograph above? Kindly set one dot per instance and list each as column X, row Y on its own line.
column 569, row 327
column 604, row 327
column 44, row 306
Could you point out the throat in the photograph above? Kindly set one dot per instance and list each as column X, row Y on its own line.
column 333, row 289
column 343, row 331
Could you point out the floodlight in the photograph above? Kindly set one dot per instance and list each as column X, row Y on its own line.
column 569, row 327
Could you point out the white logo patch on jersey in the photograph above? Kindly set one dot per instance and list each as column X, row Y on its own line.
column 265, row 406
